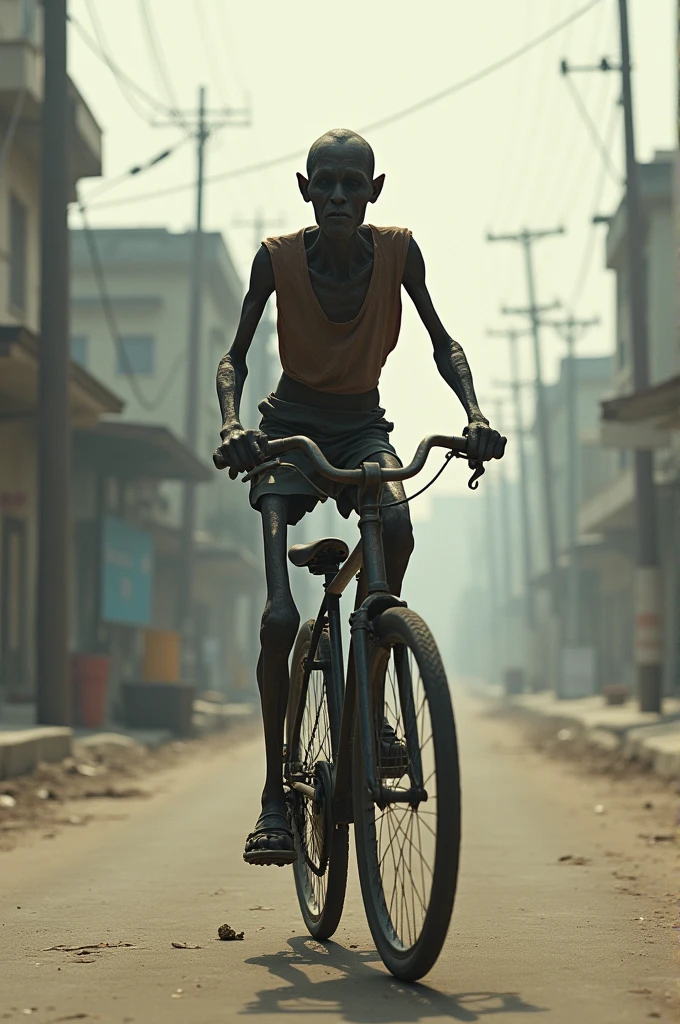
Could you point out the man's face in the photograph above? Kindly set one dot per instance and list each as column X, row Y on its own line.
column 339, row 189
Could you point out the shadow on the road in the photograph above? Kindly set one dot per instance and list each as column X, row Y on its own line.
column 358, row 993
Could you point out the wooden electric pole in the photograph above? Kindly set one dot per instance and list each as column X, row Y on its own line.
column 647, row 625
column 54, row 706
column 206, row 123
column 526, row 239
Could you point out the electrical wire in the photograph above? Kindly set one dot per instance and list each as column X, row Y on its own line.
column 477, row 76
column 148, row 404
column 589, row 249
column 137, row 169
column 127, row 85
column 384, row 122
column 595, row 136
column 208, row 45
column 158, row 58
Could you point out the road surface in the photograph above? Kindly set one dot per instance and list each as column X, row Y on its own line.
column 533, row 937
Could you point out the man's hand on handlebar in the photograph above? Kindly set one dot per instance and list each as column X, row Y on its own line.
column 484, row 443
column 241, row 450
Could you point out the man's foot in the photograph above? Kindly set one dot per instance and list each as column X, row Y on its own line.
column 393, row 752
column 271, row 842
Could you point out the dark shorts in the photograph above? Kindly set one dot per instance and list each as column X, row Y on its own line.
column 346, row 438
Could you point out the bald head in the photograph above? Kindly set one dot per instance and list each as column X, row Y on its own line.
column 341, row 137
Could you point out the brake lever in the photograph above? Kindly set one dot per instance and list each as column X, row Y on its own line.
column 479, row 471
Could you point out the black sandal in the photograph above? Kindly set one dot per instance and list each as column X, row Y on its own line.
column 270, row 844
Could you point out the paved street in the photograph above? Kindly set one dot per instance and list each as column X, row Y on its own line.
column 532, row 936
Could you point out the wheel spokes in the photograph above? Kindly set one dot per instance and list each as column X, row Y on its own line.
column 405, row 834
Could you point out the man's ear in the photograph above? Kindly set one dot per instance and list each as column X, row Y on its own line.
column 377, row 187
column 303, row 185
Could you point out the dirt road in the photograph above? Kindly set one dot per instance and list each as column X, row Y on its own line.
column 533, row 936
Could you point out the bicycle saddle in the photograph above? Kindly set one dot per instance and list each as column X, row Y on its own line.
column 320, row 556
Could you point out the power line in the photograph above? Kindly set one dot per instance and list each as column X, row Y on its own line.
column 137, row 169
column 591, row 127
column 148, row 404
column 125, row 83
column 477, row 76
column 589, row 249
column 162, row 72
column 384, row 122
column 208, row 45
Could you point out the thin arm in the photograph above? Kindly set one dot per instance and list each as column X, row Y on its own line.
column 232, row 371
column 448, row 354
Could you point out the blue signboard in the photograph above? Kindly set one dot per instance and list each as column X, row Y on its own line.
column 127, row 569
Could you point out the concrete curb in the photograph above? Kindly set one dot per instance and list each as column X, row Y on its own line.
column 653, row 740
column 209, row 717
column 22, row 749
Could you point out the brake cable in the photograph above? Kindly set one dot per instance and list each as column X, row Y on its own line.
column 473, row 482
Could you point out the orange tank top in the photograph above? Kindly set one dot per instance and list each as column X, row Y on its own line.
column 342, row 358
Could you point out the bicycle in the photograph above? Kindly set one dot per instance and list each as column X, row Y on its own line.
column 377, row 747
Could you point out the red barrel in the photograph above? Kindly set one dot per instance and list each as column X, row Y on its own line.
column 90, row 675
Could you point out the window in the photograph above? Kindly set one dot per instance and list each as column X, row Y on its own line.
column 18, row 226
column 136, row 354
column 79, row 349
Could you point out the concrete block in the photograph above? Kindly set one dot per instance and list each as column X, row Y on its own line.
column 21, row 750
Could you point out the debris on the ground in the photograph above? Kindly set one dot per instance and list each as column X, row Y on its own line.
column 114, row 793
column 648, row 805
column 45, row 794
column 7, row 800
column 569, row 858
column 599, row 809
column 177, row 994
column 91, row 946
column 185, row 945
column 258, row 907
column 89, row 770
column 659, row 837
column 227, row 934
column 564, row 735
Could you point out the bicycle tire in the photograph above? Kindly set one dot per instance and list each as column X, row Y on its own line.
column 402, row 634
column 321, row 897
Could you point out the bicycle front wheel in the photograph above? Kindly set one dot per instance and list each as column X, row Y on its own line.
column 408, row 853
column 322, row 847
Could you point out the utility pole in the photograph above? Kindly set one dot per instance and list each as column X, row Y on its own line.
column 504, row 531
column 206, row 123
column 568, row 329
column 261, row 353
column 512, row 336
column 526, row 239
column 54, row 434
column 648, row 633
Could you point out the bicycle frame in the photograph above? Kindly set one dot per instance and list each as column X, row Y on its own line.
column 353, row 694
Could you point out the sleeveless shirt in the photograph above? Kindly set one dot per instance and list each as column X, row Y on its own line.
column 342, row 358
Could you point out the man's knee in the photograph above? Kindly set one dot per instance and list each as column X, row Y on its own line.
column 280, row 624
column 398, row 534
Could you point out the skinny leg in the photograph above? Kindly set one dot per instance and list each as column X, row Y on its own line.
column 280, row 623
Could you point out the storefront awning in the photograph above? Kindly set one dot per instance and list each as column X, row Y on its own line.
column 659, row 404
column 19, row 360
column 136, row 451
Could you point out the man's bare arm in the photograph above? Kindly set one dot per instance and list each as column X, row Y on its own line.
column 484, row 443
column 242, row 448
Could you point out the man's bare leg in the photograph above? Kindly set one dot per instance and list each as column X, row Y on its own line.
column 397, row 530
column 271, row 842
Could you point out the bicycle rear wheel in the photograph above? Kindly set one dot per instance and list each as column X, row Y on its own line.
column 322, row 847
column 408, row 853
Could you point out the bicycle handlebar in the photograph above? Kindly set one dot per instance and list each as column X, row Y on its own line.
column 355, row 476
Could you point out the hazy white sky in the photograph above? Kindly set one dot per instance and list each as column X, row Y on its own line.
column 507, row 152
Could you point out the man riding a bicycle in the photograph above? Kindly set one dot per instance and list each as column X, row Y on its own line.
column 338, row 291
